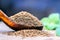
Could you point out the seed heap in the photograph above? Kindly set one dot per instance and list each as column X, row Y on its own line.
column 30, row 33
column 26, row 18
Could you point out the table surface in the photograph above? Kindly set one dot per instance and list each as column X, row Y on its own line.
column 5, row 28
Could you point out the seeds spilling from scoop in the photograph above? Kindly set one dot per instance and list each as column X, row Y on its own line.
column 29, row 33
column 25, row 18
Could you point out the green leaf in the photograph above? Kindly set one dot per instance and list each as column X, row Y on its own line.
column 54, row 17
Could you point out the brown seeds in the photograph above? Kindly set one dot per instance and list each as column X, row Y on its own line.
column 30, row 33
column 25, row 18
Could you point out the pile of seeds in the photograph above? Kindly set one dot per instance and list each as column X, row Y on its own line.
column 29, row 33
column 26, row 18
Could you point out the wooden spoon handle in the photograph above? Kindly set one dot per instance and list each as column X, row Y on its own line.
column 6, row 19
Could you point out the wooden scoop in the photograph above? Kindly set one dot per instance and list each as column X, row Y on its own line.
column 14, row 25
